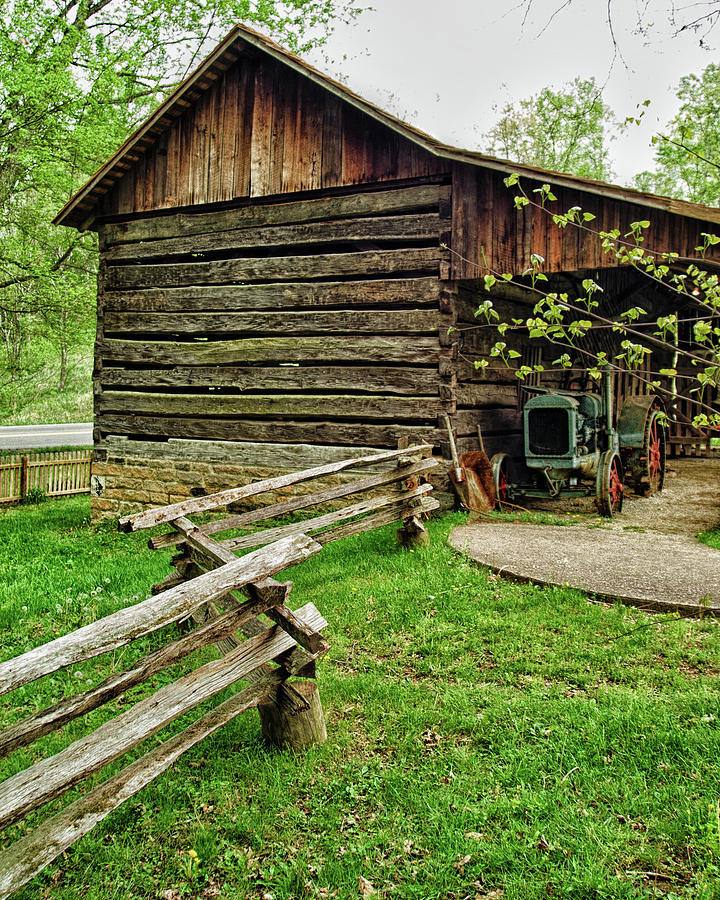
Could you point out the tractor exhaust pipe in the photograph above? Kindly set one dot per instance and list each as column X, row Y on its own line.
column 608, row 398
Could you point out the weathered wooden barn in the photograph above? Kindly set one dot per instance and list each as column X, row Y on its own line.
column 288, row 275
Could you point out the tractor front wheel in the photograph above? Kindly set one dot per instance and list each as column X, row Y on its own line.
column 609, row 486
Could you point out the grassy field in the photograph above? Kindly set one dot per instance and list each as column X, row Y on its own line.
column 486, row 739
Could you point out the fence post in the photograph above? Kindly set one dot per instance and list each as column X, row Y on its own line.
column 413, row 533
column 23, row 476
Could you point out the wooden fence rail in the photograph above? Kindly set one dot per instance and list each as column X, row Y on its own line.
column 224, row 596
column 55, row 473
column 266, row 657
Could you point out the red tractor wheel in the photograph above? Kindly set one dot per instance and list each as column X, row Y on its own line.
column 648, row 462
column 609, row 487
column 501, row 481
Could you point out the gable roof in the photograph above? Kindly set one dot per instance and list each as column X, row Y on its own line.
column 79, row 210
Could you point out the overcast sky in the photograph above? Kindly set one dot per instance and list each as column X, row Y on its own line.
column 444, row 64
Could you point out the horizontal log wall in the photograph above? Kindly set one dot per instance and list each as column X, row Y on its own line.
column 319, row 323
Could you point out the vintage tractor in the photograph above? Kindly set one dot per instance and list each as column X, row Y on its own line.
column 573, row 447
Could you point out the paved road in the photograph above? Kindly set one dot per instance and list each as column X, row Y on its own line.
column 32, row 437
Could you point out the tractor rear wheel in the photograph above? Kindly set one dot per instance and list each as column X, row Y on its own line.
column 609, row 486
column 646, row 464
column 501, row 481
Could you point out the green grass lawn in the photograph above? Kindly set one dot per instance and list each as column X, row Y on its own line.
column 485, row 739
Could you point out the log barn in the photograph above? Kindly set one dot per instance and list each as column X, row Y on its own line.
column 288, row 276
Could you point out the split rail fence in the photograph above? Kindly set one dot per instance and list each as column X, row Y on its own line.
column 224, row 596
column 55, row 473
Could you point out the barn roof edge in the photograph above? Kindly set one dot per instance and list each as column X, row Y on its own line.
column 78, row 212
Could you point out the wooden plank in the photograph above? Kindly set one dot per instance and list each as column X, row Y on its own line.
column 58, row 714
column 276, row 456
column 212, row 501
column 27, row 857
column 260, row 147
column 410, row 350
column 359, row 203
column 291, row 268
column 258, row 324
column 422, row 226
column 282, row 432
column 287, row 295
column 332, row 141
column 307, row 525
column 284, row 507
column 485, row 393
column 366, row 407
column 130, row 623
column 49, row 778
column 395, row 514
column 366, row 379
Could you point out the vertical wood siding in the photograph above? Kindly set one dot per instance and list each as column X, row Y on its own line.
column 263, row 129
column 490, row 234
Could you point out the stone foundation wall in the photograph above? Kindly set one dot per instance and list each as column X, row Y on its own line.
column 131, row 476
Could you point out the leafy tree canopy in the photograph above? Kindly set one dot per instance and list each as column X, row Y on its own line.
column 565, row 131
column 688, row 154
column 75, row 77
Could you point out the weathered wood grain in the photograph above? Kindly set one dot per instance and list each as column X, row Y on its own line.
column 366, row 379
column 393, row 514
column 58, row 714
column 422, row 226
column 309, row 525
column 130, row 623
column 27, row 857
column 283, row 431
column 257, row 324
column 153, row 517
column 487, row 393
column 51, row 777
column 284, row 295
column 274, row 268
column 273, row 456
column 284, row 507
column 407, row 349
column 269, row 406
column 395, row 201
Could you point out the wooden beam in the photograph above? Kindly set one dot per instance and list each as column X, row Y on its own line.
column 401, row 349
column 270, row 406
column 349, row 512
column 274, row 268
column 257, row 324
column 58, row 714
column 284, row 507
column 382, row 228
column 366, row 379
column 24, row 859
column 125, row 625
column 289, row 295
column 395, row 201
